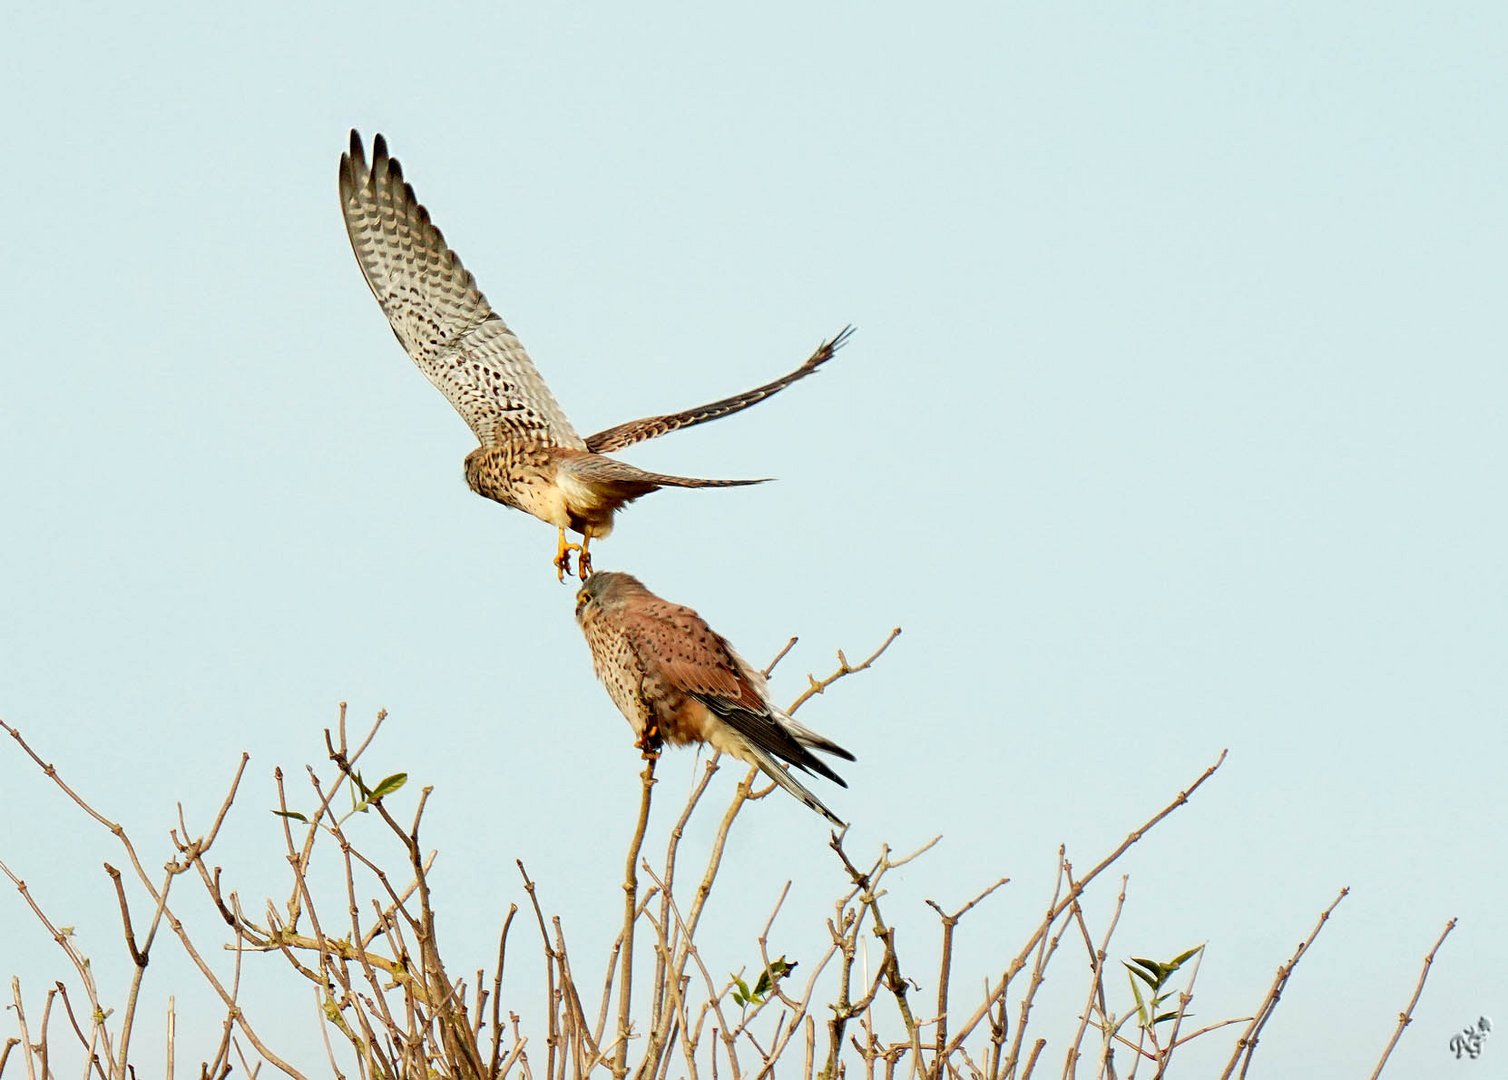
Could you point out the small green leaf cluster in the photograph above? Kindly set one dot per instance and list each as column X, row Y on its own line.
column 778, row 969
column 368, row 796
column 1156, row 976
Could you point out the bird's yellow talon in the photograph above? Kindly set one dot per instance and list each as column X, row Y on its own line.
column 563, row 558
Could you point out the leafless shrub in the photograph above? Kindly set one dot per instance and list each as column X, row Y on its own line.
column 391, row 1008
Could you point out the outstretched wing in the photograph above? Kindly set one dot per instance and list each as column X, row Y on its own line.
column 616, row 438
column 436, row 310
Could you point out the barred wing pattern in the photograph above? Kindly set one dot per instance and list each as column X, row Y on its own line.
column 436, row 310
column 636, row 431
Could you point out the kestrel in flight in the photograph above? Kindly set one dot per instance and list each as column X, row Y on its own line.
column 530, row 456
column 677, row 680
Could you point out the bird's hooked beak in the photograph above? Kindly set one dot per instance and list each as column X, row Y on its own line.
column 581, row 599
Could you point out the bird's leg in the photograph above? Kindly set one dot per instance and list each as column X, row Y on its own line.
column 584, row 563
column 563, row 556
column 650, row 740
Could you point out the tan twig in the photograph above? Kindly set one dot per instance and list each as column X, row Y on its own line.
column 1047, row 945
column 1185, row 998
column 1031, row 1061
column 1246, row 1044
column 99, row 1033
column 661, row 1012
column 497, row 993
column 88, row 1043
column 769, row 669
column 713, row 994
column 1096, row 997
column 1408, row 1013
column 816, row 686
column 26, row 1043
column 945, row 969
column 1207, row 1028
column 158, row 897
column 800, row 1014
column 128, row 1021
column 630, row 911
column 867, row 893
column 553, row 1037
column 998, row 988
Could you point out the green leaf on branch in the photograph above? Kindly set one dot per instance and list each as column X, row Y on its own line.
column 388, row 786
column 778, row 969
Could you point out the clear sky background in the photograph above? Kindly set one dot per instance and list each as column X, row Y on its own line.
column 1175, row 420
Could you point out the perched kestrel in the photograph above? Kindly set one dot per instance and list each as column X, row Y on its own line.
column 677, row 680
column 530, row 458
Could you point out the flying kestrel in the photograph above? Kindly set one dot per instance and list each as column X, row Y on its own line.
column 531, row 457
column 677, row 680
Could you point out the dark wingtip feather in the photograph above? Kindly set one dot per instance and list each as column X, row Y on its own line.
column 383, row 166
column 769, row 735
column 352, row 165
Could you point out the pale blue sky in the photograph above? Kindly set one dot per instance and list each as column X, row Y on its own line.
column 1175, row 420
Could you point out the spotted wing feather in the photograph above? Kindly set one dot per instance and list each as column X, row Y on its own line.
column 436, row 310
column 696, row 660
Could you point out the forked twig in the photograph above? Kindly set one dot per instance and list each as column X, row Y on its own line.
column 816, row 686
column 998, row 988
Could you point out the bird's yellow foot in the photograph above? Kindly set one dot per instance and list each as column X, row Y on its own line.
column 584, row 563
column 563, row 557
column 649, row 743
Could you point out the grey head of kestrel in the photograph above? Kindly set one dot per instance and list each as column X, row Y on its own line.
column 677, row 680
column 530, row 456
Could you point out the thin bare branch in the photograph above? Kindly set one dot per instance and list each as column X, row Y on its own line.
column 945, row 969
column 1246, row 1044
column 630, row 913
column 998, row 988
column 816, row 686
column 769, row 669
column 1407, row 1014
